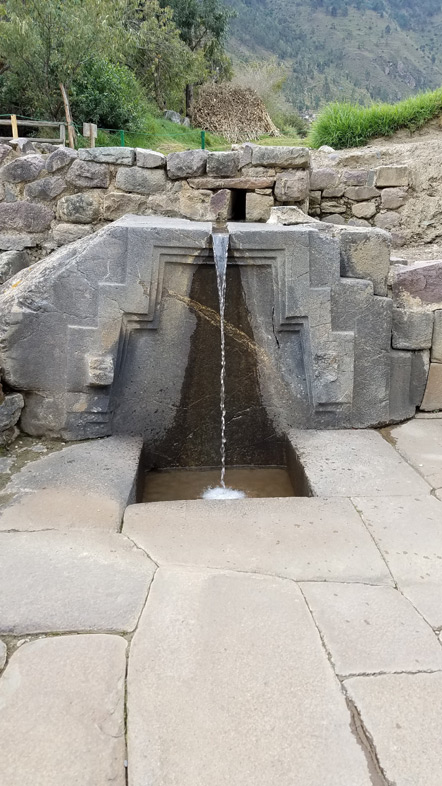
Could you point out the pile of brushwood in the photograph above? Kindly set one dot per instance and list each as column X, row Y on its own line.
column 237, row 113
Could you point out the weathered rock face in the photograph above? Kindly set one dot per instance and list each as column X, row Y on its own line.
column 119, row 333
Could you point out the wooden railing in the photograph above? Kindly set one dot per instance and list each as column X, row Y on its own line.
column 13, row 122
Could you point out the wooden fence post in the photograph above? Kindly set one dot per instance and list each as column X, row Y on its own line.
column 67, row 110
column 14, row 126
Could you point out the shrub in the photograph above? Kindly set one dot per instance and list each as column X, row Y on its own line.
column 108, row 95
column 348, row 125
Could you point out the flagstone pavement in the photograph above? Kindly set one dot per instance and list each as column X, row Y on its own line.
column 256, row 642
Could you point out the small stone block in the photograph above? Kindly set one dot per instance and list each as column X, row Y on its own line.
column 436, row 348
column 392, row 176
column 412, row 329
column 258, row 207
column 292, row 186
column 433, row 392
column 321, row 179
column 364, row 210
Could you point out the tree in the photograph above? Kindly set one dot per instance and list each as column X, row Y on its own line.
column 45, row 42
column 163, row 62
column 203, row 26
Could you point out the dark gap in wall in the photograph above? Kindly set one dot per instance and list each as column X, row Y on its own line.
column 238, row 205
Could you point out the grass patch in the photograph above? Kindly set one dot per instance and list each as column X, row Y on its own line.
column 157, row 133
column 343, row 125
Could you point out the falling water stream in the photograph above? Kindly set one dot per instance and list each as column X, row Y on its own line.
column 220, row 241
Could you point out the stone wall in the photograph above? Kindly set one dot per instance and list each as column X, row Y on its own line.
column 361, row 197
column 52, row 197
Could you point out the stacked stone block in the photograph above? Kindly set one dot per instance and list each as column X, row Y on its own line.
column 417, row 321
column 360, row 197
column 51, row 196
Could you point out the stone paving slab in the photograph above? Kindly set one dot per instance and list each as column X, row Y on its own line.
column 402, row 715
column 228, row 683
column 87, row 485
column 62, row 713
column 301, row 538
column 3, row 653
column 56, row 581
column 420, row 443
column 372, row 629
column 349, row 463
column 408, row 531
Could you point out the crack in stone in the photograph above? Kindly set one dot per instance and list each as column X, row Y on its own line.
column 372, row 537
column 366, row 743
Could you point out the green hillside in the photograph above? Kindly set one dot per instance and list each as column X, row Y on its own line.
column 343, row 50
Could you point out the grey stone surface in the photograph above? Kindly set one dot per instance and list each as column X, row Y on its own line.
column 23, row 145
column 418, row 284
column 358, row 222
column 78, row 208
column 332, row 207
column 46, row 188
column 408, row 533
column 321, row 343
column 150, row 159
column 366, row 254
column 258, row 206
column 364, row 210
column 108, row 155
column 408, row 379
column 355, row 177
column 412, row 329
column 354, row 463
column 224, row 164
column 284, row 157
column 117, row 204
column 139, row 180
column 3, row 654
column 433, row 392
column 322, row 179
column 361, row 193
column 292, row 186
column 420, row 443
column 71, row 581
column 368, row 630
column 243, row 650
column 337, row 191
column 86, row 174
column 69, row 233
column 436, row 348
column 289, row 215
column 174, row 117
column 402, row 718
column 88, row 484
column 25, row 216
column 60, row 158
column 244, row 183
column 299, row 538
column 334, row 218
column 189, row 163
column 387, row 220
column 17, row 241
column 392, row 176
column 23, row 169
column 62, row 718
column 10, row 410
column 5, row 150
column 392, row 198
column 11, row 262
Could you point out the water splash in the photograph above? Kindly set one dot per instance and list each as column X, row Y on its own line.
column 220, row 253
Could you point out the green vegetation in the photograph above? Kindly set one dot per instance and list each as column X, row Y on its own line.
column 358, row 51
column 343, row 125
column 116, row 58
column 160, row 134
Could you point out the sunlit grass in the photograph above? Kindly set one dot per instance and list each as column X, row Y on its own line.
column 342, row 125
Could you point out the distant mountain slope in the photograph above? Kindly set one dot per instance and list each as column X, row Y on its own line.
column 343, row 49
